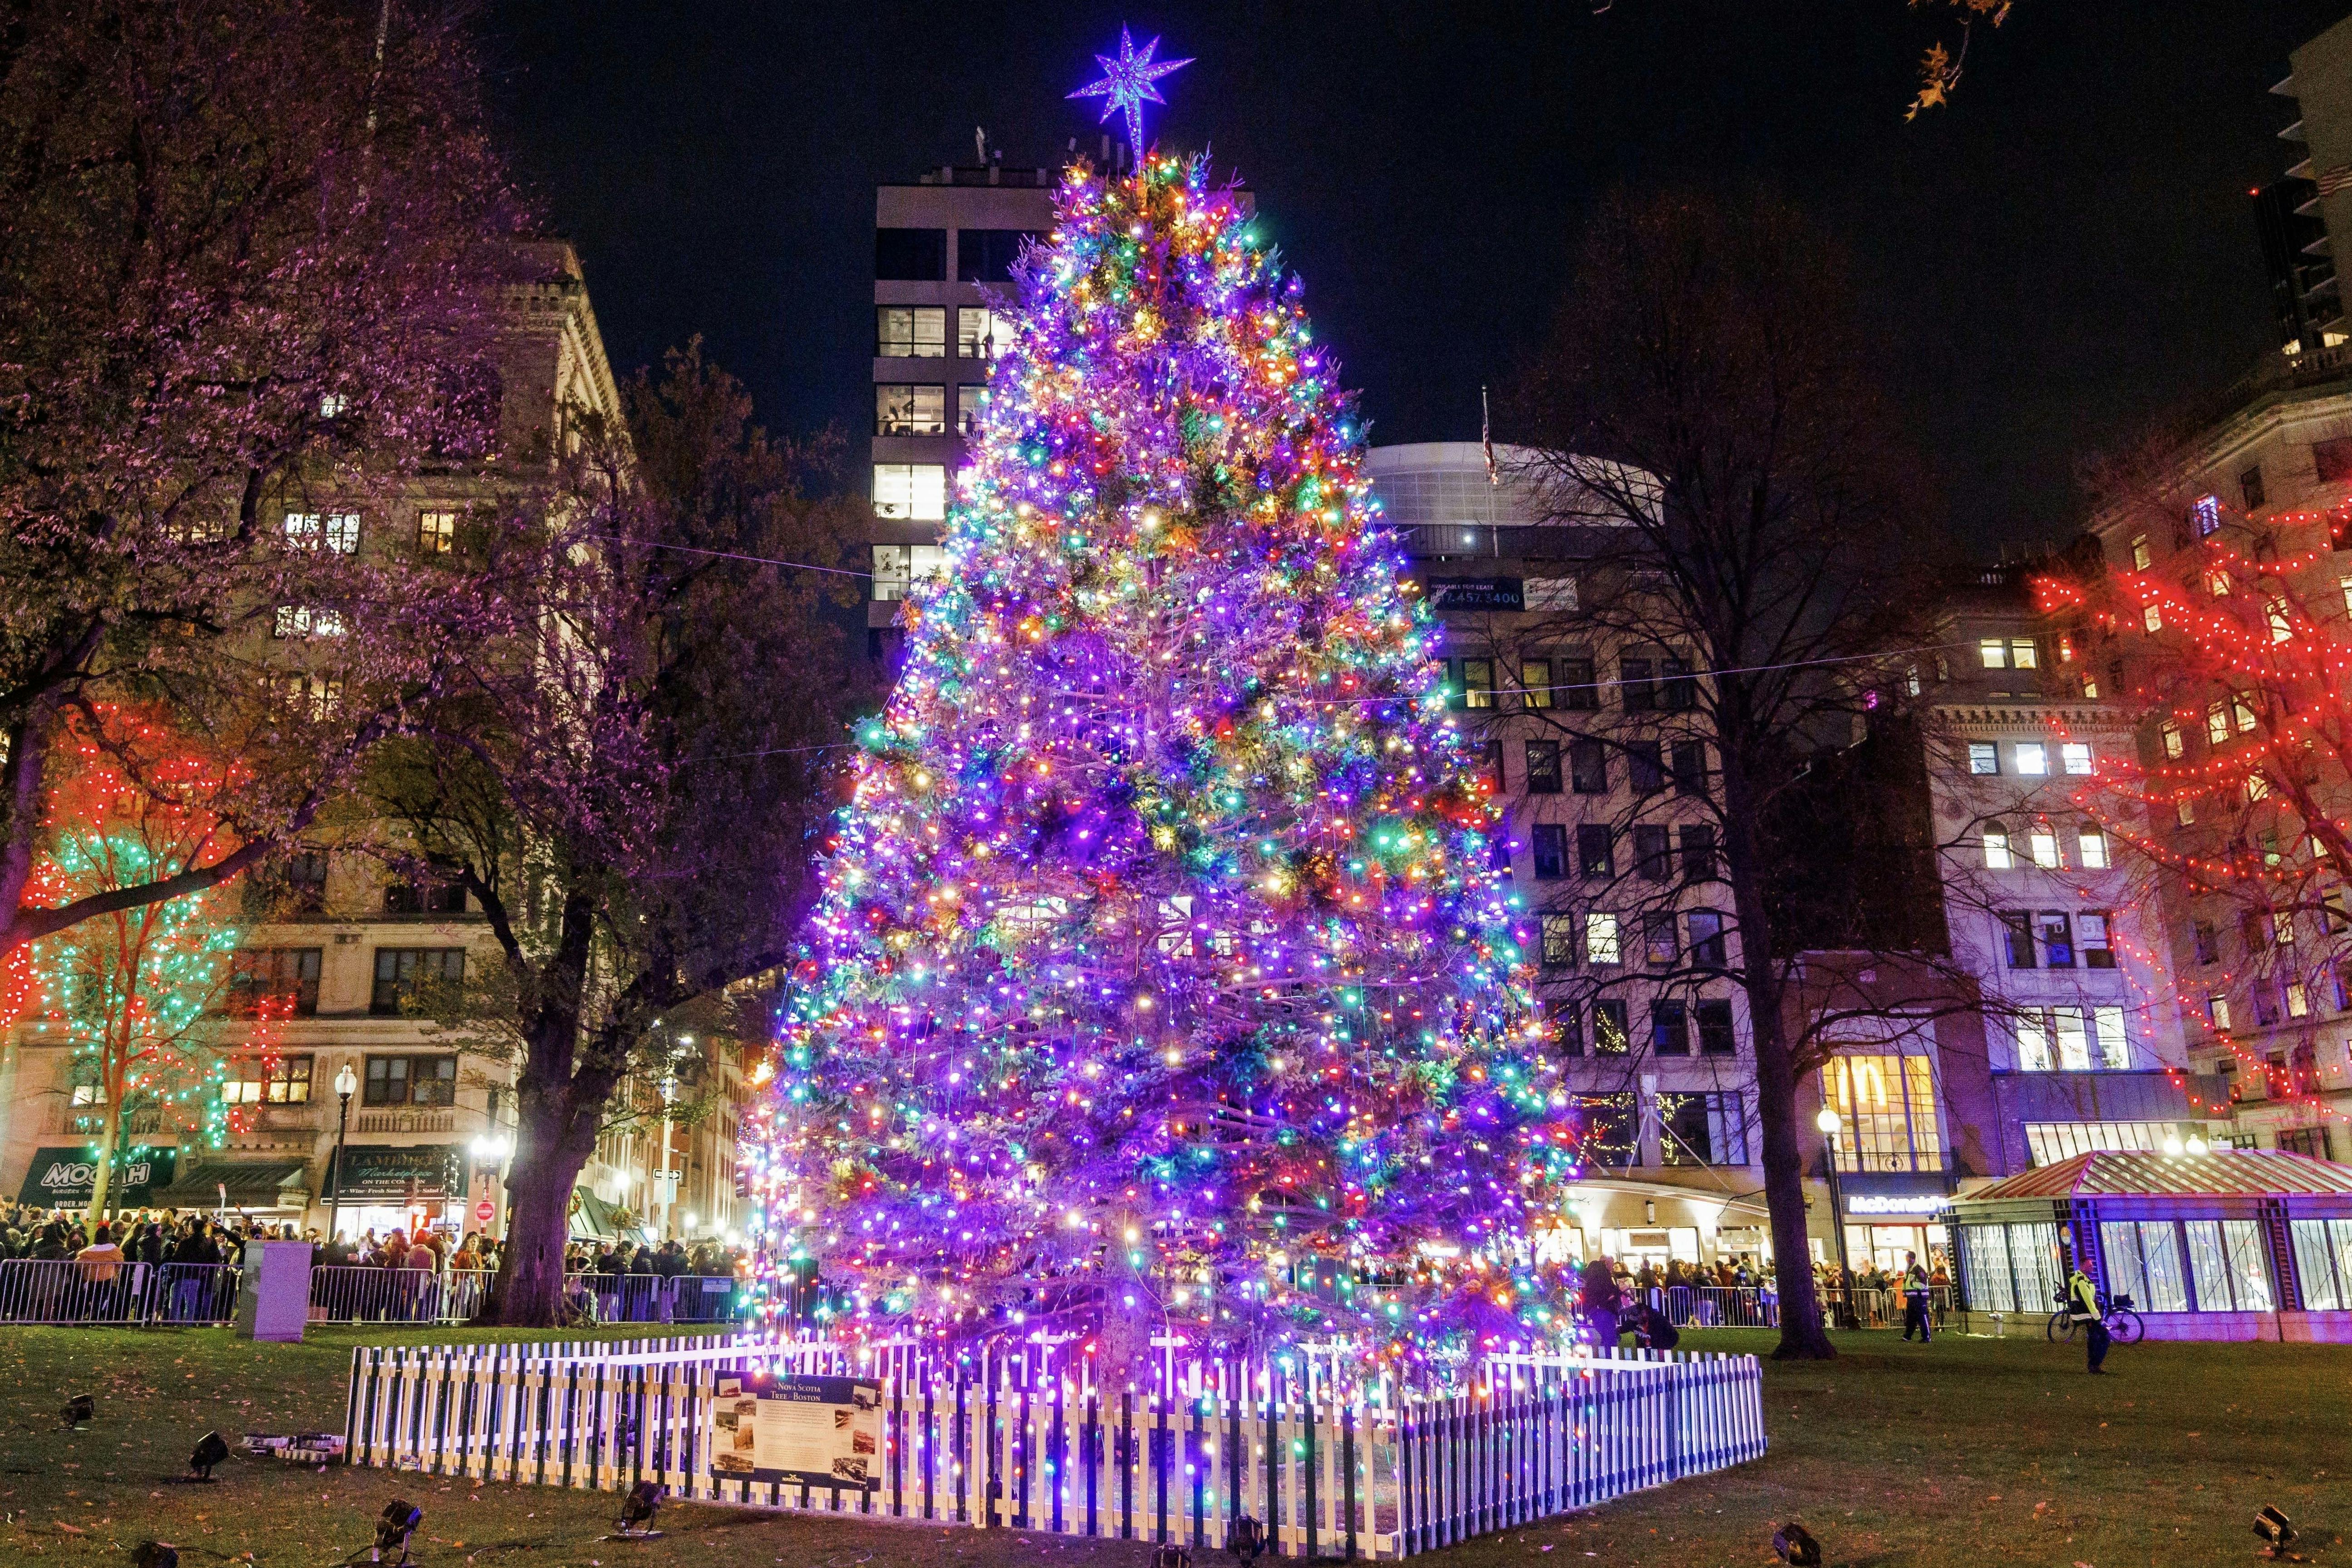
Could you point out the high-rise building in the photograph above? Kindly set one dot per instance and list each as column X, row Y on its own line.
column 2300, row 214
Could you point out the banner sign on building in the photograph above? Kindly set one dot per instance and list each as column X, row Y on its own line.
column 65, row 1178
column 375, row 1174
column 817, row 1431
column 1477, row 594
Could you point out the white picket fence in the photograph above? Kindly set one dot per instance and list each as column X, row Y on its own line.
column 1387, row 1475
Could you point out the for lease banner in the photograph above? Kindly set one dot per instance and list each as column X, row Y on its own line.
column 819, row 1431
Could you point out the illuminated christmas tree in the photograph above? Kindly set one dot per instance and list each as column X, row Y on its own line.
column 1160, row 965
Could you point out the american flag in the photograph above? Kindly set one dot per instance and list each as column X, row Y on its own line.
column 2331, row 180
column 1486, row 438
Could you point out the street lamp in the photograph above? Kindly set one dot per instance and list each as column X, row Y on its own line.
column 347, row 1084
column 1830, row 1124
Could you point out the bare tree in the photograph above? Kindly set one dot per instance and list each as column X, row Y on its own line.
column 1708, row 421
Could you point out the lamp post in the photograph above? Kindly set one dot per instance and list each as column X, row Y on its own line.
column 1829, row 1122
column 347, row 1084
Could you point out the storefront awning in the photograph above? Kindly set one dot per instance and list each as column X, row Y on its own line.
column 238, row 1185
column 65, row 1178
column 592, row 1218
column 2222, row 1172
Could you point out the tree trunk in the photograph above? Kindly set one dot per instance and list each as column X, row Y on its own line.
column 107, row 1142
column 1802, row 1337
column 529, row 1287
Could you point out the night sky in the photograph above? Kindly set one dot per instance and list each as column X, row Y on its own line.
column 2057, row 258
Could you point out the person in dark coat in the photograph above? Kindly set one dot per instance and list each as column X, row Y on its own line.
column 1601, row 1299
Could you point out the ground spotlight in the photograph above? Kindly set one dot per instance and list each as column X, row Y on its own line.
column 2277, row 1530
column 1171, row 1556
column 637, row 1509
column 211, row 1449
column 1797, row 1546
column 155, row 1554
column 1247, row 1540
column 393, row 1526
column 79, row 1410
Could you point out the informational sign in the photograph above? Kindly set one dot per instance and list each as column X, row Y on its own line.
column 1477, row 594
column 377, row 1174
column 64, row 1178
column 817, row 1431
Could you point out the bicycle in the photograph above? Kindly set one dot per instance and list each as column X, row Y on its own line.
column 2122, row 1320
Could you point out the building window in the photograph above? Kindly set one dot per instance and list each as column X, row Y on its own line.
column 2091, row 844
column 2042, row 843
column 302, row 622
column 2074, row 756
column 410, row 1080
column 1600, row 941
column 1659, row 949
column 910, row 331
column 2208, row 943
column 897, row 567
column 2033, row 758
column 1611, row 1037
column 1593, row 856
column 337, row 532
column 910, row 255
column 2250, row 486
column 1698, row 852
column 1588, row 767
column 1707, row 944
column 285, row 979
column 1535, row 683
column 266, row 1080
column 1690, row 767
column 2140, row 557
column 1578, row 691
column 1608, row 1120
column 1543, row 767
column 1645, row 767
column 989, row 255
column 1993, row 653
column 970, row 398
column 910, row 493
column 2205, row 516
column 904, row 408
column 1559, row 941
column 983, row 334
column 1633, row 686
column 1551, row 851
column 437, row 533
column 400, row 972
column 2016, row 940
column 2057, row 933
column 2152, row 618
column 1715, row 1033
column 2282, row 627
column 306, row 881
column 2216, row 723
column 1478, row 682
column 1984, row 757
column 1567, row 1035
column 2184, row 811
column 1708, row 1128
column 1677, row 692
column 1653, row 854
column 1669, row 1027
column 2242, row 707
column 437, row 893
column 1888, row 1103
column 1997, row 856
column 2175, row 746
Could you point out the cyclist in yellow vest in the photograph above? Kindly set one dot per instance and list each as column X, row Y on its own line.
column 2083, row 1307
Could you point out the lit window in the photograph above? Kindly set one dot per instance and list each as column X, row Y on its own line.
column 2074, row 756
column 2281, row 628
column 2033, row 758
column 1911, row 680
column 2091, row 935
column 2298, row 1000
column 2023, row 654
column 2140, row 558
column 897, row 567
column 1996, row 849
column 2042, row 843
column 1600, row 939
column 2217, row 582
column 2174, row 746
column 2216, row 723
column 910, row 493
column 983, row 334
column 2242, row 706
column 2283, row 927
column 2207, row 516
column 970, row 397
column 437, row 533
column 1984, row 757
column 2257, row 787
column 2093, row 844
column 2346, row 584
column 2217, row 1008
column 1888, row 1105
column 910, row 331
column 307, row 621
column 1478, row 682
column 337, row 532
column 2066, row 649
column 901, row 408
column 2152, row 617
column 1994, row 653
column 2184, row 811
column 332, row 404
column 2033, row 1043
column 1534, row 682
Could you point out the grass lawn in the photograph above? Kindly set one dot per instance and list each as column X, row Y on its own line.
column 1966, row 1452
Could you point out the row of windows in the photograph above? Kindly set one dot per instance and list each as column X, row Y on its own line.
column 2073, row 1039
column 388, row 1080
column 1706, row 1128
column 920, row 255
column 1650, row 766
column 1676, row 1026
column 1595, row 859
column 2039, row 843
column 1600, row 937
column 2277, row 999
column 921, row 331
column 2031, row 759
column 284, row 981
column 2259, row 930
column 1645, row 684
column 338, row 533
column 2054, row 938
column 918, row 409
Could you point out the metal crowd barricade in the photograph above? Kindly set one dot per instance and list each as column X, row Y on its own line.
column 73, row 1290
column 1721, row 1307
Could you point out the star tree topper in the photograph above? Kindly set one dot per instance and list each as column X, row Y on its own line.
column 1127, row 84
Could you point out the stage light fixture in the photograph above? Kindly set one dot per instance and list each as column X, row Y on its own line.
column 155, row 1554
column 211, row 1449
column 398, row 1521
column 79, row 1410
column 638, row 1511
column 1171, row 1556
column 2279, row 1531
column 1796, row 1546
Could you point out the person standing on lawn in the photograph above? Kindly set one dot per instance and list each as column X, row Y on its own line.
column 2083, row 1309
column 1603, row 1298
column 1914, row 1297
